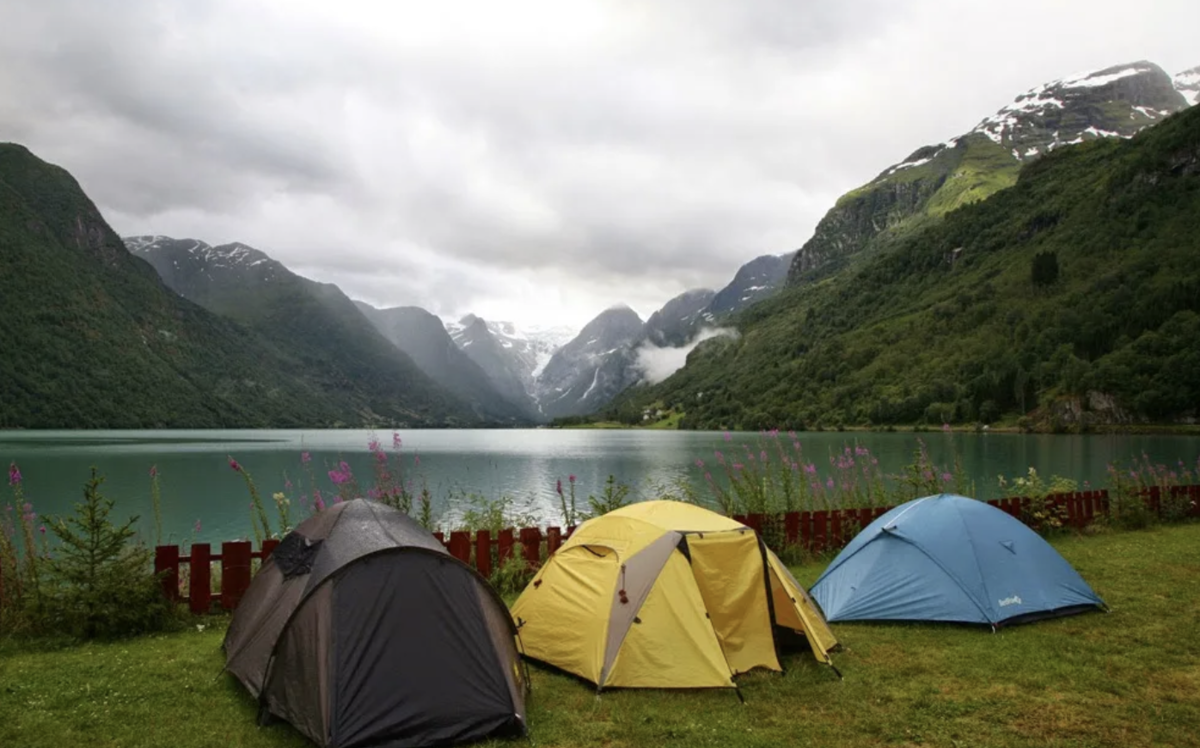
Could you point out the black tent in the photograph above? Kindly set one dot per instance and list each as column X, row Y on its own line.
column 361, row 630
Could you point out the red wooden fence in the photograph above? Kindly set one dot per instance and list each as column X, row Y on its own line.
column 818, row 531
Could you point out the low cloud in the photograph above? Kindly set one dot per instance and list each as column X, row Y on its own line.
column 656, row 364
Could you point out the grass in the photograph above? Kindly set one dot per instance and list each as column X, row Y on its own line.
column 1130, row 678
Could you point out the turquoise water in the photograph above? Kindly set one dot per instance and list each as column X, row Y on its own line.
column 204, row 500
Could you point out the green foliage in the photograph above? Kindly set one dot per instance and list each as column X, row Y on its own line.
column 1045, row 269
column 944, row 322
column 614, row 496
column 1042, row 515
column 99, row 582
column 478, row 512
column 512, row 576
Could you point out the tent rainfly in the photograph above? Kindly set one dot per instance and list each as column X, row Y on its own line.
column 662, row 594
column 360, row 629
column 950, row 558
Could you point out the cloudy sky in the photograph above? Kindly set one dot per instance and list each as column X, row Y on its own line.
column 530, row 160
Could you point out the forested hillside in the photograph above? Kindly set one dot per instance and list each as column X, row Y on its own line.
column 91, row 338
column 1071, row 299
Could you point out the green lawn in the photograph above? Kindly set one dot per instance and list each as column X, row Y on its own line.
column 1127, row 678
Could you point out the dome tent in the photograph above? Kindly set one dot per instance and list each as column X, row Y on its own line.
column 662, row 594
column 950, row 558
column 360, row 629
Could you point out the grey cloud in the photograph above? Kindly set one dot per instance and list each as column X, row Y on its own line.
column 461, row 172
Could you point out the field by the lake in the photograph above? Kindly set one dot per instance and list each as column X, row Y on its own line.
column 1130, row 677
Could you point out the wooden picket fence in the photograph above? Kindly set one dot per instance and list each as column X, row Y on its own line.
column 819, row 532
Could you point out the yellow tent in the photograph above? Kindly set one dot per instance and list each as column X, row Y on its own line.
column 663, row 594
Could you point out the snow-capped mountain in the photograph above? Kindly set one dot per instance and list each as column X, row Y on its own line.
column 511, row 357
column 1114, row 102
column 935, row 179
column 1187, row 84
column 753, row 282
column 423, row 337
column 592, row 368
column 673, row 325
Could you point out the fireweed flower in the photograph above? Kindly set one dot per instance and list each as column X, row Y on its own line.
column 234, row 465
column 699, row 463
column 728, row 436
column 571, row 478
column 305, row 457
column 947, row 477
column 196, row 528
column 558, row 486
column 737, row 466
column 14, row 474
column 154, row 471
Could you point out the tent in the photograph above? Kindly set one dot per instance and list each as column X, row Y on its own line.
column 950, row 558
column 663, row 594
column 360, row 629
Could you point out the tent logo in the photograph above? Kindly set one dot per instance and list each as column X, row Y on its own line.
column 1014, row 600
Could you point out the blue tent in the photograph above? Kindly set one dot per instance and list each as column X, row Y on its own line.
column 950, row 558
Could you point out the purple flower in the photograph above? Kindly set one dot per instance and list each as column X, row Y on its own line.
column 946, row 427
column 810, row 468
column 287, row 484
column 947, row 477
column 829, row 484
column 14, row 474
column 558, row 486
column 196, row 528
column 728, row 436
column 699, row 463
column 305, row 457
column 42, row 529
column 571, row 478
column 338, row 477
column 708, row 477
column 373, row 444
column 233, row 464
column 737, row 466
column 154, row 471
column 319, row 504
column 417, row 460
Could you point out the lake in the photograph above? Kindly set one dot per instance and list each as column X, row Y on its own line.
column 203, row 500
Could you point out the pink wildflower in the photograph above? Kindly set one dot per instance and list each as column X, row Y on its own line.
column 571, row 478
column 305, row 457
column 14, row 474
column 154, row 471
column 196, row 528
column 233, row 464
column 728, row 436
column 558, row 486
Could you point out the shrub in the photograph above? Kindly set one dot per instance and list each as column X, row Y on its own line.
column 99, row 582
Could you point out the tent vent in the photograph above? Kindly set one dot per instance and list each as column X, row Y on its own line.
column 295, row 554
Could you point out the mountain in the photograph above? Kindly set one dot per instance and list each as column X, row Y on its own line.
column 753, row 282
column 590, row 370
column 1115, row 102
column 676, row 322
column 1069, row 301
column 92, row 338
column 313, row 324
column 423, row 337
column 512, row 357
column 1187, row 84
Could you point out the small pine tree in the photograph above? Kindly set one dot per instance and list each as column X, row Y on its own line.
column 1045, row 269
column 102, row 581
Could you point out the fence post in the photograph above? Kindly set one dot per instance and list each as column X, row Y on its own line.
column 806, row 538
column 235, row 572
column 791, row 527
column 268, row 547
column 483, row 552
column 553, row 540
column 460, row 545
column 820, row 530
column 440, row 538
column 200, row 582
column 531, row 541
column 755, row 523
column 569, row 533
column 504, row 545
column 166, row 568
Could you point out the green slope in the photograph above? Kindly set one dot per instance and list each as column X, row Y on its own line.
column 949, row 325
column 91, row 338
